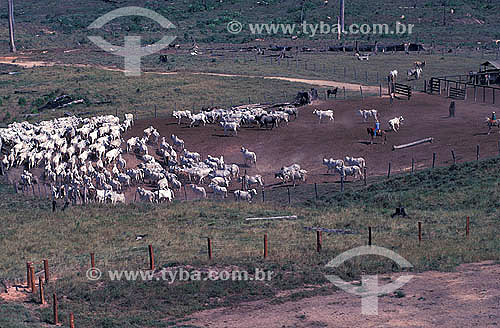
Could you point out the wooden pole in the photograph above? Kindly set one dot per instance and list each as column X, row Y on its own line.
column 71, row 320
column 316, row 190
column 361, row 91
column 467, row 227
column 54, row 309
column 419, row 232
column 342, row 183
column 28, row 273
column 32, row 279
column 151, row 258
column 389, row 171
column 454, row 157
column 40, row 285
column 263, row 195
column 265, row 245
column 369, row 236
column 11, row 26
column 477, row 152
column 364, row 176
column 319, row 241
column 433, row 160
column 380, row 90
column 209, row 244
column 46, row 270
column 92, row 260
column 412, row 165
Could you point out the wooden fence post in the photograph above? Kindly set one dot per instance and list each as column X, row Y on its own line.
column 412, row 165
column 433, row 160
column 369, row 236
column 380, row 91
column 484, row 94
column 40, row 286
column 319, row 241
column 32, row 278
column 265, row 245
column 46, row 270
column 209, row 245
column 343, row 88
column 419, row 232
column 316, row 190
column 151, row 258
column 467, row 227
column 364, row 176
column 263, row 195
column 389, row 171
column 28, row 273
column 342, row 183
column 361, row 91
column 54, row 309
column 477, row 152
column 475, row 93
column 454, row 157
column 92, row 260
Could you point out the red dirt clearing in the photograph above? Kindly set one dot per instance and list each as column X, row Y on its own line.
column 306, row 142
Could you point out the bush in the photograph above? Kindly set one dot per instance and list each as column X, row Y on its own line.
column 21, row 102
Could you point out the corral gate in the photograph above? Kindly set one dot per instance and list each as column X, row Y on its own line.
column 435, row 86
column 402, row 89
column 457, row 93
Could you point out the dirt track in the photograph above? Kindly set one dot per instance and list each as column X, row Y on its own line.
column 306, row 142
column 469, row 297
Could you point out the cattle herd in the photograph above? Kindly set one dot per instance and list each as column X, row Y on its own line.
column 80, row 159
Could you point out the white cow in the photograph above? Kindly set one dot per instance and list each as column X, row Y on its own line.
column 230, row 126
column 331, row 163
column 249, row 157
column 360, row 161
column 199, row 191
column 395, row 123
column 368, row 113
column 324, row 114
column 245, row 195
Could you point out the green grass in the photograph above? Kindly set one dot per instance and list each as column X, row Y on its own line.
column 440, row 199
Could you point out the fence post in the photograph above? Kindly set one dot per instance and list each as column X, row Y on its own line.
column 54, row 309
column 40, row 285
column 380, row 90
column 319, row 241
column 477, row 152
column 361, row 91
column 265, row 245
column 366, row 76
column 316, row 190
column 484, row 94
column 32, row 278
column 419, row 232
column 467, row 227
column 369, row 236
column 433, row 160
column 151, row 258
column 343, row 88
column 475, row 93
column 289, row 199
column 364, row 176
column 71, row 320
column 342, row 183
column 28, row 272
column 389, row 171
column 412, row 165
column 46, row 270
column 92, row 260
column 209, row 244
column 493, row 95
column 263, row 195
column 454, row 157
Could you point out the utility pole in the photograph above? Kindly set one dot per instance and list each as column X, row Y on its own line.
column 11, row 25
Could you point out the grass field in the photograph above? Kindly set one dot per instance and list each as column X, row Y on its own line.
column 441, row 199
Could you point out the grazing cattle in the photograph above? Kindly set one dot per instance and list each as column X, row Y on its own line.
column 222, row 191
column 266, row 120
column 244, row 195
column 146, row 195
column 395, row 123
column 199, row 191
column 360, row 161
column 249, row 181
column 230, row 126
column 324, row 114
column 180, row 114
column 249, row 157
column 197, row 119
column 331, row 164
column 220, row 181
column 346, row 171
column 367, row 113
column 178, row 143
column 164, row 195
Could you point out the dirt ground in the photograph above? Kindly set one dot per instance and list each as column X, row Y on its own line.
column 306, row 142
column 469, row 297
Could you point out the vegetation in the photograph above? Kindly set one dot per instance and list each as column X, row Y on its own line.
column 439, row 198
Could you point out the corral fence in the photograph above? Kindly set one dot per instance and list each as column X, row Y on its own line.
column 461, row 87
